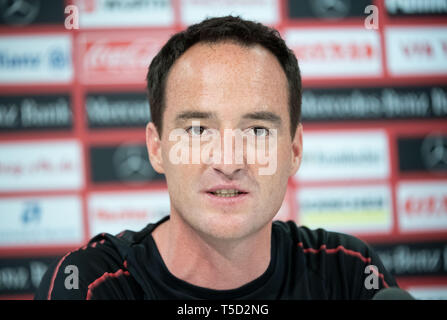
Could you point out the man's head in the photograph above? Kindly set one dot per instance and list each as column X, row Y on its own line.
column 245, row 33
column 232, row 74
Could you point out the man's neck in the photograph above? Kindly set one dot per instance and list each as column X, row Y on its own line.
column 218, row 265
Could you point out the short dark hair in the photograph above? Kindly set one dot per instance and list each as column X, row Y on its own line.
column 214, row 30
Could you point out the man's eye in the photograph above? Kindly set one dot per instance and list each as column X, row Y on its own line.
column 260, row 131
column 196, row 130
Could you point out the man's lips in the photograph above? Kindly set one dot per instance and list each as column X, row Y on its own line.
column 226, row 194
column 226, row 188
column 226, row 198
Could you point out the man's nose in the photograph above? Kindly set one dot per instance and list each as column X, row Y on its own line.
column 230, row 158
column 229, row 170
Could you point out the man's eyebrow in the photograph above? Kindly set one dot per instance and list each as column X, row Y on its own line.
column 263, row 115
column 258, row 115
column 186, row 115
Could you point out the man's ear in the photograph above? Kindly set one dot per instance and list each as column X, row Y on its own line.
column 153, row 144
column 297, row 150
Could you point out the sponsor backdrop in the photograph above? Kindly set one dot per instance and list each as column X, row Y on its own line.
column 73, row 110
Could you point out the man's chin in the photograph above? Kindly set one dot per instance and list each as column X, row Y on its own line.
column 228, row 227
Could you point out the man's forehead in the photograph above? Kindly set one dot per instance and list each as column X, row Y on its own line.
column 214, row 76
column 224, row 65
column 204, row 58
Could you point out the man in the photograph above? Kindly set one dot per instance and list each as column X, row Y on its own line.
column 219, row 242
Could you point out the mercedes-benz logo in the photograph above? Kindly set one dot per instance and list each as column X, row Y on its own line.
column 330, row 9
column 19, row 12
column 434, row 152
column 132, row 164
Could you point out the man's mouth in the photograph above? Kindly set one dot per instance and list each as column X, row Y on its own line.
column 226, row 193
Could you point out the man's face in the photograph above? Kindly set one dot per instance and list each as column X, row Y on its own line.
column 226, row 86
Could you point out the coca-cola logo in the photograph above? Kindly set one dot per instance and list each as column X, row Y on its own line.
column 120, row 56
column 429, row 206
column 335, row 51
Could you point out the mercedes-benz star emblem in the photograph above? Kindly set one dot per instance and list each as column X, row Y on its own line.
column 19, row 12
column 132, row 164
column 330, row 9
column 434, row 152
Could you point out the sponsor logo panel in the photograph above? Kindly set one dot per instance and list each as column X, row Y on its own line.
column 120, row 57
column 327, row 10
column 340, row 155
column 419, row 51
column 422, row 206
column 115, row 212
column 388, row 103
column 414, row 259
column 264, row 11
column 341, row 52
column 26, row 12
column 398, row 8
column 125, row 13
column 31, row 59
column 354, row 209
column 126, row 163
column 23, row 275
column 116, row 110
column 28, row 166
column 427, row 154
column 33, row 221
column 35, row 112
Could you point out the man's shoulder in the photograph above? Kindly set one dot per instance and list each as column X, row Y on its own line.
column 100, row 253
column 105, row 249
column 70, row 276
column 320, row 246
column 307, row 238
column 341, row 262
column 103, row 259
